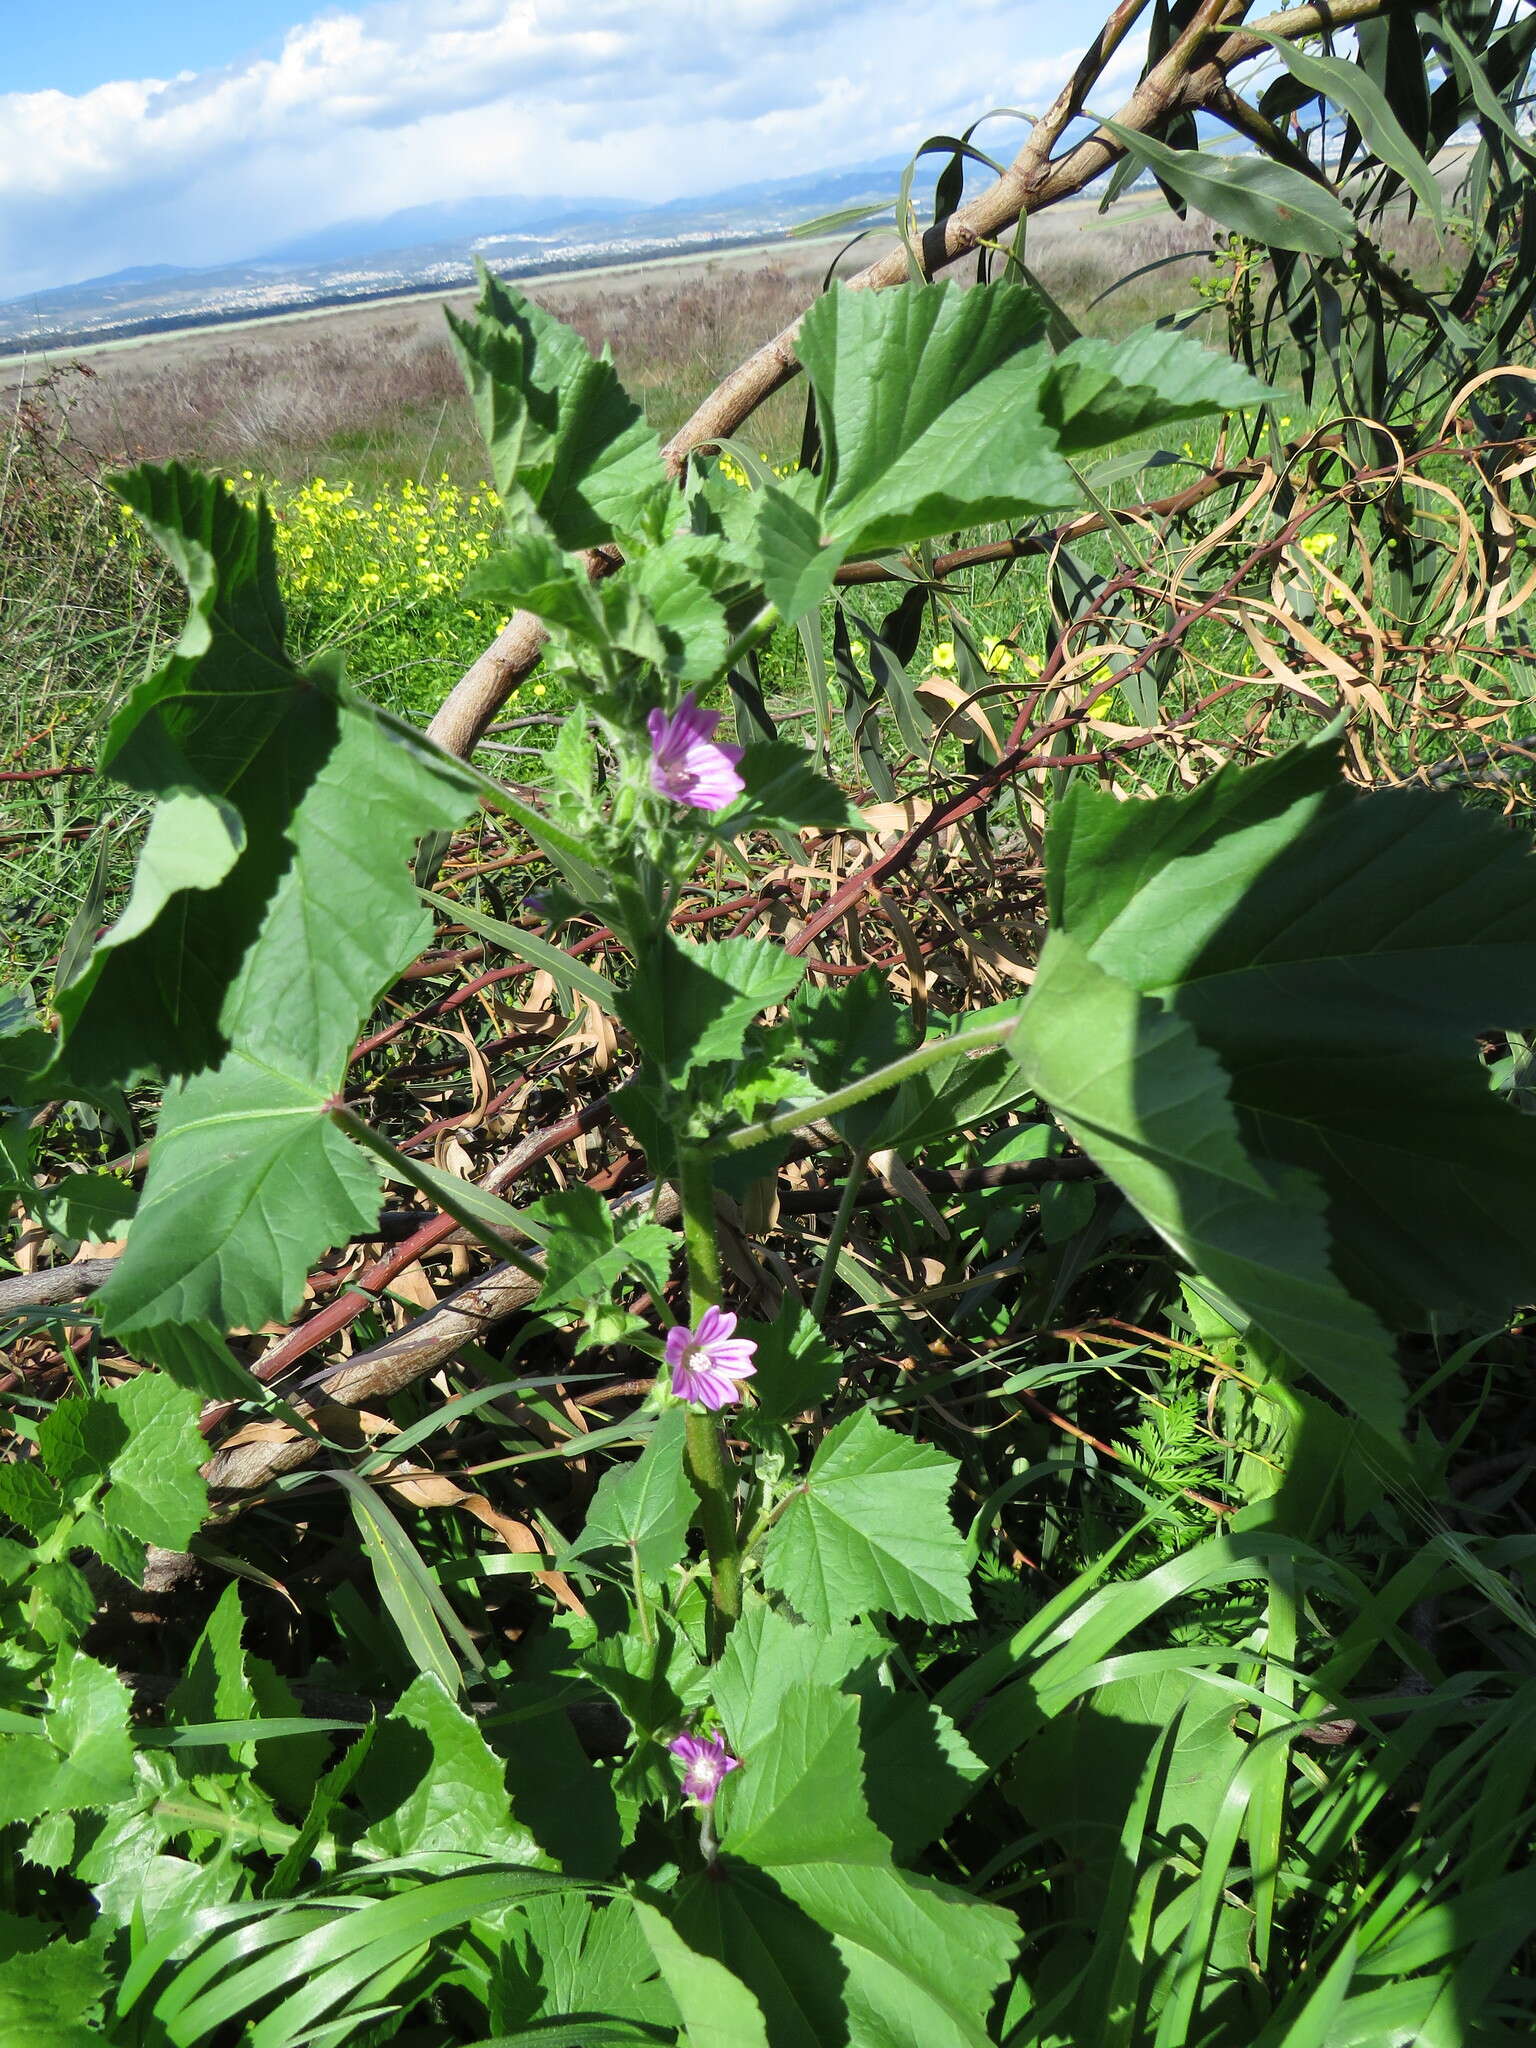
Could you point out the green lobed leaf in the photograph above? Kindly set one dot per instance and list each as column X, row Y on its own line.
column 215, row 1687
column 25, row 1048
column 1099, row 391
column 1338, row 953
column 586, row 1251
column 27, row 1499
column 82, row 1756
column 859, row 1956
column 870, row 1531
column 797, row 1366
column 929, row 405
column 560, row 428
column 786, row 552
column 662, row 608
column 282, row 798
column 799, row 1797
column 587, row 1957
column 717, row 2009
column 646, row 1506
column 690, row 1004
column 956, row 1094
column 1266, row 201
column 94, row 1206
column 1152, row 1107
column 48, row 1997
column 156, row 1493
column 280, row 951
column 783, row 791
column 767, row 1653
column 923, row 1959
column 919, row 1769
column 850, row 1030
column 248, row 1182
column 430, row 1782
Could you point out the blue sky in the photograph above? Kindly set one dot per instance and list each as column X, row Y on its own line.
column 200, row 132
column 76, row 44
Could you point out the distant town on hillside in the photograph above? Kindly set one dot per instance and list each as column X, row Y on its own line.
column 432, row 248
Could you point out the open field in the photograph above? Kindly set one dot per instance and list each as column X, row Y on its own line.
column 376, row 389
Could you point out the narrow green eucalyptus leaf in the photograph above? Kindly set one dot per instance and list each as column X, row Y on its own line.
column 870, row 1532
column 1352, row 89
column 406, row 1587
column 1269, row 202
column 1486, row 100
column 929, row 403
column 311, row 1948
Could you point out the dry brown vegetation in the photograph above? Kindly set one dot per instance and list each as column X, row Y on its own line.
column 375, row 389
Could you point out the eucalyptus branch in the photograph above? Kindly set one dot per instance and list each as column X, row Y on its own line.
column 1184, row 81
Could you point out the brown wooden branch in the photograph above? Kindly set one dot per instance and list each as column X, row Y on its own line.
column 1183, row 81
column 52, row 1286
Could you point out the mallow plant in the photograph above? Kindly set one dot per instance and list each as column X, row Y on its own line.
column 1242, row 986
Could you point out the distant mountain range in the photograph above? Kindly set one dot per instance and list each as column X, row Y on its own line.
column 429, row 248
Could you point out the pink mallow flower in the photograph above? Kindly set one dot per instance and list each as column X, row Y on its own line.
column 686, row 763
column 706, row 1764
column 706, row 1363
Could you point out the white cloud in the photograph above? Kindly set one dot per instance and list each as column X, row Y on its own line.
column 372, row 108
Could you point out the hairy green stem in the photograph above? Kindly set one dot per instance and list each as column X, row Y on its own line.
column 937, row 1050
column 757, row 628
column 708, row 1461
